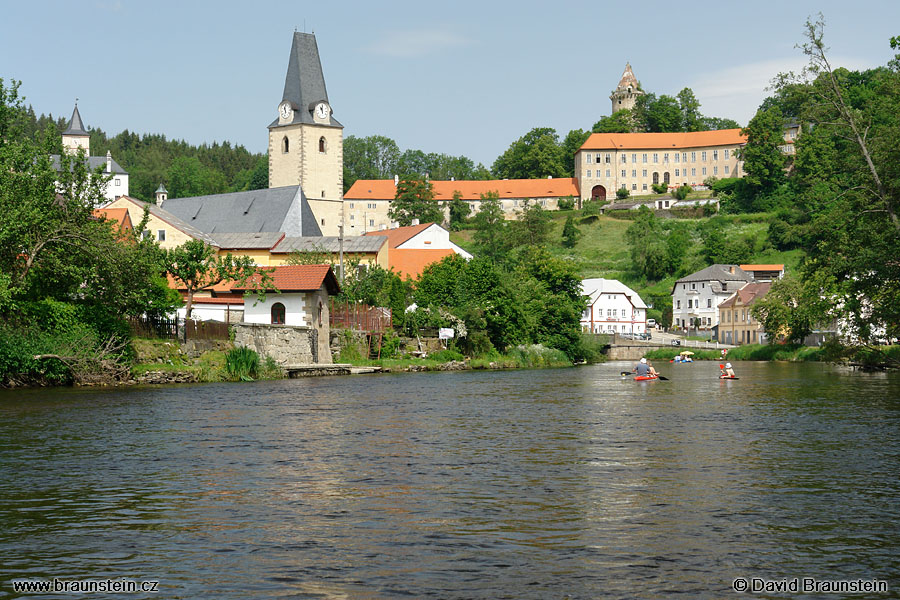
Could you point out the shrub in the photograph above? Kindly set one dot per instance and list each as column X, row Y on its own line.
column 445, row 355
column 682, row 192
column 622, row 193
column 659, row 188
column 242, row 364
column 537, row 355
column 567, row 203
column 591, row 208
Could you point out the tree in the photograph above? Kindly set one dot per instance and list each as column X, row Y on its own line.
column 198, row 267
column 647, row 243
column 762, row 156
column 536, row 155
column 574, row 140
column 785, row 311
column 622, row 193
column 691, row 119
column 570, row 233
column 459, row 211
column 414, row 199
column 715, row 123
column 372, row 157
column 531, row 227
column 490, row 227
column 621, row 121
column 657, row 115
column 682, row 192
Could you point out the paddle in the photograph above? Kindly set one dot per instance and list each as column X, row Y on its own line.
column 628, row 373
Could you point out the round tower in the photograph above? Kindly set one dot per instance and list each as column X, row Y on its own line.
column 627, row 92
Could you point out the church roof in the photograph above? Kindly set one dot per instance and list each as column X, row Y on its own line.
column 384, row 189
column 304, row 84
column 92, row 163
column 76, row 127
column 282, row 209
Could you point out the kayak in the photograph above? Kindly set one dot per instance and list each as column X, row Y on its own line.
column 645, row 377
column 728, row 377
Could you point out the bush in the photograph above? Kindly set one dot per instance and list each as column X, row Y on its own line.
column 659, row 188
column 242, row 364
column 18, row 348
column 622, row 193
column 536, row 356
column 682, row 192
column 567, row 203
column 445, row 355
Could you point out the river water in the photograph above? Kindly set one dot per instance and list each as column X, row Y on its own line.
column 563, row 483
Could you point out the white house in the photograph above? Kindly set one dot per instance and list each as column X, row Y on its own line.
column 696, row 298
column 612, row 308
column 76, row 138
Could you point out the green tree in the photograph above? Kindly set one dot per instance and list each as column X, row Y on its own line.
column 198, row 267
column 531, row 227
column 646, row 240
column 490, row 228
column 459, row 211
column 372, row 157
column 786, row 311
column 573, row 141
column 622, row 193
column 691, row 119
column 621, row 121
column 414, row 199
column 570, row 233
column 763, row 159
column 536, row 155
column 716, row 123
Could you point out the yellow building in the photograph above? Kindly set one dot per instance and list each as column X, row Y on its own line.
column 607, row 162
column 736, row 325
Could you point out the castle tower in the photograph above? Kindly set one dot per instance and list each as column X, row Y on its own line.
column 306, row 141
column 627, row 92
column 76, row 136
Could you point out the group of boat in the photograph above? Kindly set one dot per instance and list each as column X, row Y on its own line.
column 725, row 370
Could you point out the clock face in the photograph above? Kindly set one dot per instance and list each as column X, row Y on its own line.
column 285, row 111
column 322, row 110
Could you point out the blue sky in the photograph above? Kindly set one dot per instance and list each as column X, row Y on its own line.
column 459, row 78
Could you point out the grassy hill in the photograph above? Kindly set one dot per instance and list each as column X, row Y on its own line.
column 603, row 250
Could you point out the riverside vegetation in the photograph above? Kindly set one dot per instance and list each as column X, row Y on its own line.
column 828, row 212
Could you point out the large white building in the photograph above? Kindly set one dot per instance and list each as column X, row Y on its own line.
column 696, row 298
column 613, row 307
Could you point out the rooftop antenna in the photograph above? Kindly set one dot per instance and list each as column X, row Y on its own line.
column 76, row 101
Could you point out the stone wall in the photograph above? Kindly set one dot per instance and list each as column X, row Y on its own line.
column 287, row 345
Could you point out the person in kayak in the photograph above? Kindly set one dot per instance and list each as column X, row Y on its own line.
column 728, row 371
column 644, row 369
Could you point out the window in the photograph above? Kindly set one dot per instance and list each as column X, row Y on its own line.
column 726, row 169
column 644, row 173
column 666, row 157
column 704, row 170
column 678, row 304
column 726, row 154
column 715, row 170
column 666, row 178
column 371, row 222
column 351, row 205
column 690, row 303
column 634, row 186
column 118, row 181
column 693, row 286
column 161, row 235
column 588, row 173
column 634, row 172
column 655, row 178
column 277, row 313
column 703, row 156
column 644, row 187
column 633, row 158
column 624, row 158
column 608, row 312
column 693, row 157
column 624, row 173
column 352, row 217
column 607, row 173
column 655, row 158
column 677, row 174
column 684, row 157
column 145, row 234
column 709, row 303
column 677, row 156
column 644, row 158
column 608, row 158
column 323, row 221
column 715, row 155
column 587, row 158
column 285, row 145
column 693, row 172
column 322, row 144
column 319, row 312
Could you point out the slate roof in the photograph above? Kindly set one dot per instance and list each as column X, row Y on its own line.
column 282, row 209
column 662, row 141
column 599, row 286
column 93, row 162
column 384, row 189
column 173, row 220
column 304, row 84
column 297, row 278
column 247, row 241
column 720, row 278
column 352, row 244
column 76, row 127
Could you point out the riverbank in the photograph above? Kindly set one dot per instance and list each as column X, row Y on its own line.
column 873, row 357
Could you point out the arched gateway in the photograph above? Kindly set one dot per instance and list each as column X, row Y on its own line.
column 598, row 192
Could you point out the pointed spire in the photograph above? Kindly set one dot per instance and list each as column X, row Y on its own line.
column 76, row 126
column 628, row 79
column 304, row 84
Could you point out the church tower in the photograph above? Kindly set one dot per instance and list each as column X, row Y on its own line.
column 75, row 136
column 306, row 141
column 627, row 92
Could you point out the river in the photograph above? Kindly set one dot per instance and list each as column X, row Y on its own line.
column 562, row 483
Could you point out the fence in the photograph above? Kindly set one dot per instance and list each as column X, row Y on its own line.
column 360, row 317
column 174, row 329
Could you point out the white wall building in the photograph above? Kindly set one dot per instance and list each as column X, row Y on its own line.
column 696, row 298
column 612, row 308
column 76, row 138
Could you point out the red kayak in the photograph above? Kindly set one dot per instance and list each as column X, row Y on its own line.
column 645, row 377
column 728, row 377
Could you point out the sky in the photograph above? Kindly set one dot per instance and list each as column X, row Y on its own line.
column 462, row 78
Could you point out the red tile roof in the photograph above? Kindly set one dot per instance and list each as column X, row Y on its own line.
column 412, row 262
column 297, row 278
column 748, row 294
column 398, row 235
column 662, row 141
column 762, row 267
column 118, row 215
column 383, row 189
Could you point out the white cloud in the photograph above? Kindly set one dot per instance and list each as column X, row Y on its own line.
column 736, row 92
column 406, row 44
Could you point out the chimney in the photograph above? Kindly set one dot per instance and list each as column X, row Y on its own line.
column 415, row 222
column 731, row 269
column 549, row 176
column 396, row 180
column 108, row 161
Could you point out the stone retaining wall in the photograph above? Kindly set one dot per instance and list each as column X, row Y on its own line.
column 287, row 345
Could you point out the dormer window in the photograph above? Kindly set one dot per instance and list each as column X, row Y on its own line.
column 322, row 144
column 285, row 145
